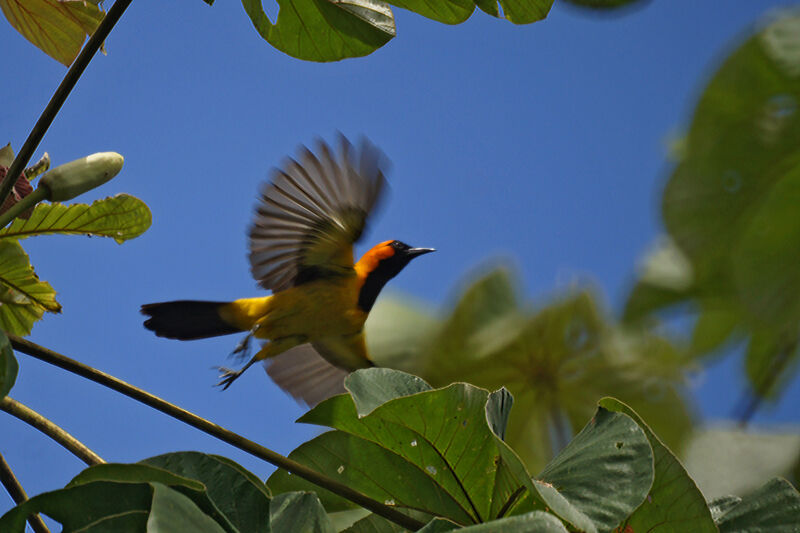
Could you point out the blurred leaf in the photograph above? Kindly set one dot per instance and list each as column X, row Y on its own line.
column 606, row 470
column 6, row 155
column 172, row 511
column 23, row 298
column 549, row 360
column 674, row 503
column 121, row 217
column 237, row 493
column 775, row 507
column 714, row 326
column 397, row 331
column 56, row 27
column 298, row 511
column 735, row 461
column 8, row 366
column 769, row 362
column 322, row 30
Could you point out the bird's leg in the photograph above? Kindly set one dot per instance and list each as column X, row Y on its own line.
column 243, row 348
column 228, row 376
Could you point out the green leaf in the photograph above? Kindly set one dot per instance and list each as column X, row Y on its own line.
column 56, row 27
column 121, row 217
column 606, row 471
column 741, row 156
column 323, row 30
column 298, row 512
column 172, row 511
column 498, row 408
column 674, row 503
column 92, row 507
column 775, row 507
column 393, row 385
column 770, row 361
column 38, row 168
column 143, row 473
column 397, row 330
column 533, row 522
column 237, row 493
column 713, row 327
column 6, row 155
column 722, row 505
column 443, row 433
column 23, row 298
column 8, row 366
column 373, row 523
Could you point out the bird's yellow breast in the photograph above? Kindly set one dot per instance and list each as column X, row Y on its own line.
column 320, row 308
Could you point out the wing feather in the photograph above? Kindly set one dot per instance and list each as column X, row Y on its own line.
column 311, row 213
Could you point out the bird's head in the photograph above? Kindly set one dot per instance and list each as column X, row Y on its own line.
column 380, row 264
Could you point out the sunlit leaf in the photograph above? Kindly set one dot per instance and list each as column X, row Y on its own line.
column 23, row 298
column 323, row 30
column 533, row 522
column 298, row 511
column 57, row 27
column 38, row 168
column 8, row 366
column 775, row 507
column 121, row 217
column 674, row 503
column 6, row 155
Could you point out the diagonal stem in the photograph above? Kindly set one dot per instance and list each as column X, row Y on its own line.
column 225, row 435
column 29, row 416
column 60, row 96
column 17, row 493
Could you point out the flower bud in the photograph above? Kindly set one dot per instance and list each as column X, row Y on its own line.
column 76, row 177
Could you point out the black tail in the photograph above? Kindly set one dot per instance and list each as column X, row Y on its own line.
column 186, row 319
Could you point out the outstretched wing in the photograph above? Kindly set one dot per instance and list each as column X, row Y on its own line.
column 311, row 213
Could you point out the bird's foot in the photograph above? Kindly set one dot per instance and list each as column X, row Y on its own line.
column 242, row 349
column 228, row 376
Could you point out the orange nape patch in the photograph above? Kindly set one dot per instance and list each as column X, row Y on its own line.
column 370, row 260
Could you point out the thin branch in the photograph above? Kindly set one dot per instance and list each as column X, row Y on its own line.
column 29, row 416
column 225, row 435
column 17, row 493
column 60, row 96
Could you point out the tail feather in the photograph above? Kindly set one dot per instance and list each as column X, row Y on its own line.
column 187, row 319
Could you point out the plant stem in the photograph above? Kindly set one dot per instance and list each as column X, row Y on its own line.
column 39, row 194
column 60, row 96
column 17, row 493
column 28, row 415
column 225, row 435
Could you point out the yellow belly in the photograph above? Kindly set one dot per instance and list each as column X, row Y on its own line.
column 314, row 310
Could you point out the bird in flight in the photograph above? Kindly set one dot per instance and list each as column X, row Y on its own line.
column 301, row 240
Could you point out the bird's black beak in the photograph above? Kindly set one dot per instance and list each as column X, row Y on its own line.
column 414, row 252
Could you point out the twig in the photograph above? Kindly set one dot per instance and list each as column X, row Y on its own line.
column 17, row 493
column 225, row 435
column 29, row 416
column 60, row 96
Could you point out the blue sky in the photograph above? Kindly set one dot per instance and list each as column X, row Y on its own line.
column 542, row 144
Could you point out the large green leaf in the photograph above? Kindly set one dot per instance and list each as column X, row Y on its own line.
column 121, row 217
column 23, row 298
column 775, row 508
column 57, row 27
column 237, row 493
column 322, row 30
column 298, row 512
column 674, row 504
column 8, row 366
column 533, row 522
column 606, row 471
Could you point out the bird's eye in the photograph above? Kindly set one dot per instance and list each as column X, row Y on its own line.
column 397, row 245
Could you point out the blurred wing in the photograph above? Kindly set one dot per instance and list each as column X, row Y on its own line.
column 312, row 212
column 306, row 375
